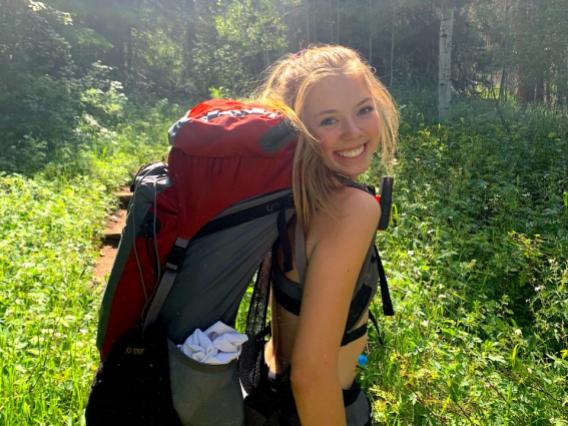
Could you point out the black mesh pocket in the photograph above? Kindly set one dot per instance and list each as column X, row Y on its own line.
column 251, row 360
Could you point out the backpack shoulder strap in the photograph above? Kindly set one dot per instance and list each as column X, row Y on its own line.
column 367, row 188
column 300, row 251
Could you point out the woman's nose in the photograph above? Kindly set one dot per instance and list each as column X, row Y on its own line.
column 351, row 128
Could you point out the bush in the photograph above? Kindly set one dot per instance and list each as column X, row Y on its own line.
column 39, row 96
column 478, row 265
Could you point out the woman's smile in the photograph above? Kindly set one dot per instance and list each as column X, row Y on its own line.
column 353, row 153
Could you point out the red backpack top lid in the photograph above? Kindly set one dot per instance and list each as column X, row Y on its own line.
column 223, row 152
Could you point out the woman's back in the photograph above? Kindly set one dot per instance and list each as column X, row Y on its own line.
column 310, row 344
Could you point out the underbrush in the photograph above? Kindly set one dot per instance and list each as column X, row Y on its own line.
column 478, row 263
column 50, row 224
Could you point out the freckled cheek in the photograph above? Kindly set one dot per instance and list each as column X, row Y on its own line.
column 370, row 122
column 375, row 124
column 326, row 149
column 327, row 152
column 324, row 141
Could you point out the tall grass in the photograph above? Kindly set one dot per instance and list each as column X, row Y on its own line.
column 50, row 225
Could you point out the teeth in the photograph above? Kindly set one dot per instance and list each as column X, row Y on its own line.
column 352, row 153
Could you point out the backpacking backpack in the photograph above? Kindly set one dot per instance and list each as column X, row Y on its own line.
column 224, row 191
column 197, row 230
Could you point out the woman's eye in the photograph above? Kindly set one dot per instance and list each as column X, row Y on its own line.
column 328, row 122
column 366, row 110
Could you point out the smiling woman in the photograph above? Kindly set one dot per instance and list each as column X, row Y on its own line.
column 341, row 114
column 320, row 305
column 292, row 83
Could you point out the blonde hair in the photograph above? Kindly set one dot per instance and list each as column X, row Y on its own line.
column 286, row 87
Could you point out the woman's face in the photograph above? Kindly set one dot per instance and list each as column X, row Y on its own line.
column 340, row 112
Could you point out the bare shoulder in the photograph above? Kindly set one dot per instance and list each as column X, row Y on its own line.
column 352, row 206
column 353, row 212
column 354, row 203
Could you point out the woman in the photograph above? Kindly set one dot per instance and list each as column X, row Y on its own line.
column 344, row 115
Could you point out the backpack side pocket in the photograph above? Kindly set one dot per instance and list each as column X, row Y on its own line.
column 205, row 394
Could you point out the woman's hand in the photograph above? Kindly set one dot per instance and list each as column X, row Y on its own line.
column 337, row 246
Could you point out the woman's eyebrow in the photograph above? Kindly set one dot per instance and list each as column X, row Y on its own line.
column 327, row 111
column 367, row 99
column 331, row 111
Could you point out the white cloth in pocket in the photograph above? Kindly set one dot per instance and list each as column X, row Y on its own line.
column 219, row 344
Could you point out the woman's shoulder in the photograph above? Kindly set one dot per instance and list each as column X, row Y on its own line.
column 351, row 203
column 351, row 211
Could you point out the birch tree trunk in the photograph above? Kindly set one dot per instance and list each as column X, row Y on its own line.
column 332, row 21
column 308, row 26
column 391, row 64
column 337, row 20
column 503, row 86
column 370, row 32
column 445, row 61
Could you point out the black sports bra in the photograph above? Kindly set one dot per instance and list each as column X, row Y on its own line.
column 288, row 293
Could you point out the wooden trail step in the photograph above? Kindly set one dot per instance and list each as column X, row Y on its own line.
column 116, row 221
column 114, row 226
column 111, row 237
column 124, row 196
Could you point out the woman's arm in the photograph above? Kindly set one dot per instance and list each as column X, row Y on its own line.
column 339, row 248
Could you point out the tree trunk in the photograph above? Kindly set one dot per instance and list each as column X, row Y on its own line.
column 314, row 21
column 332, row 21
column 563, row 83
column 337, row 20
column 308, row 27
column 189, row 40
column 526, row 90
column 503, row 85
column 128, row 58
column 370, row 32
column 539, row 89
column 391, row 61
column 526, row 83
column 445, row 61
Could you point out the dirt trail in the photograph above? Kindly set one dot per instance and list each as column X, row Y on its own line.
column 114, row 224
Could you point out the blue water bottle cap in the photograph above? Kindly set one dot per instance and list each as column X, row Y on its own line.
column 362, row 360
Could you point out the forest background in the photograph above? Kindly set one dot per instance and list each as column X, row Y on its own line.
column 477, row 253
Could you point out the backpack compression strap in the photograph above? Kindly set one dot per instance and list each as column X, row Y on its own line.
column 176, row 257
column 174, row 263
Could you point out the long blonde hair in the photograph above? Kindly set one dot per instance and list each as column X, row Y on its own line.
column 287, row 85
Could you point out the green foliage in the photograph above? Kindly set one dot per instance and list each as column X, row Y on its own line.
column 108, row 105
column 249, row 36
column 476, row 257
column 48, row 305
column 49, row 231
column 38, row 93
column 478, row 265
